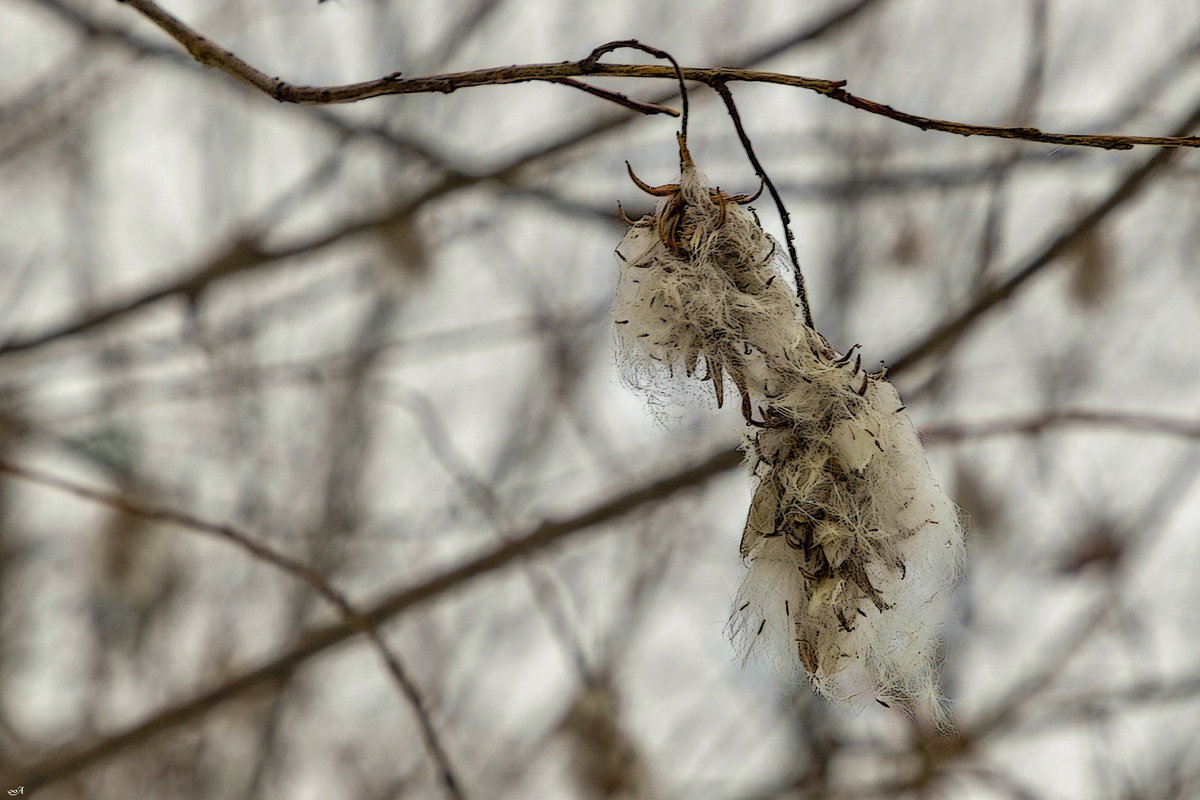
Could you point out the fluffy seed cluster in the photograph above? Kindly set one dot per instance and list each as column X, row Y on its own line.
column 852, row 548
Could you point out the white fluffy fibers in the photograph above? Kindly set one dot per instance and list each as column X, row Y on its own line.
column 852, row 548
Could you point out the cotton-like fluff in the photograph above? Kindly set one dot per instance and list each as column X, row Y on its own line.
column 698, row 294
column 852, row 548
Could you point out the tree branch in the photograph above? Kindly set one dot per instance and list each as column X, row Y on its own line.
column 785, row 219
column 949, row 333
column 213, row 55
column 72, row 759
column 352, row 618
column 950, row 433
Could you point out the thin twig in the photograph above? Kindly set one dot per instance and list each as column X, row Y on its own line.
column 950, row 332
column 74, row 758
column 950, row 433
column 351, row 617
column 1068, row 709
column 211, row 54
column 593, row 61
column 618, row 98
column 785, row 219
column 94, row 29
column 478, row 493
column 239, row 256
column 834, row 21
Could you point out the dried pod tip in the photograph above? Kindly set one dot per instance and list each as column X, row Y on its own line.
column 665, row 190
column 744, row 199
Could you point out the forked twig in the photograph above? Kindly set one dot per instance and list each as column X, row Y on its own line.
column 592, row 62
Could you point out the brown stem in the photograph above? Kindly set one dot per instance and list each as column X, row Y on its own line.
column 785, row 219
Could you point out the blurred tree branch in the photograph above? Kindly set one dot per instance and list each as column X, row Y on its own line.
column 949, row 333
column 72, row 759
column 352, row 618
column 1035, row 424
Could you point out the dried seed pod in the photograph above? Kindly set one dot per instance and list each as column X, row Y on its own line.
column 697, row 284
column 852, row 548
column 881, row 546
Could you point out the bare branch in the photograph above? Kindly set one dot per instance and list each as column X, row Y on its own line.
column 950, row 332
column 950, row 433
column 618, row 98
column 194, row 283
column 827, row 25
column 1069, row 709
column 239, row 256
column 351, row 617
column 72, row 759
column 785, row 218
column 210, row 54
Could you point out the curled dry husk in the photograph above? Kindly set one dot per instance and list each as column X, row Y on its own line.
column 852, row 547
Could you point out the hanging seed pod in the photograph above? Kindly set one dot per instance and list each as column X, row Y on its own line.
column 698, row 294
column 852, row 548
